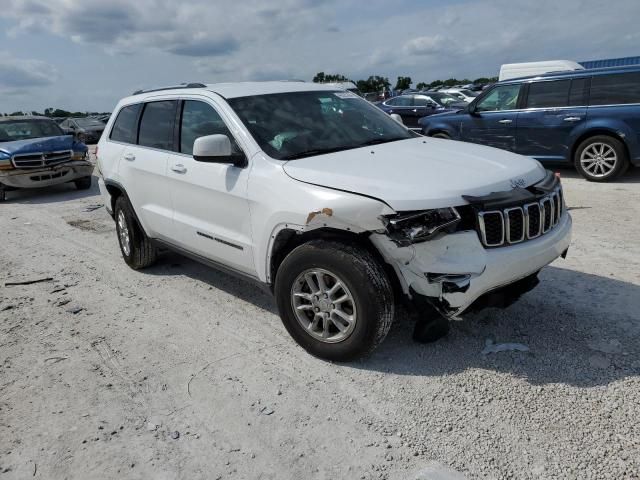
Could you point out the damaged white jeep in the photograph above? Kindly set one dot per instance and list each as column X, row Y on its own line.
column 337, row 208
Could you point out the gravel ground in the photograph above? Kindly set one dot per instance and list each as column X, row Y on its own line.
column 180, row 371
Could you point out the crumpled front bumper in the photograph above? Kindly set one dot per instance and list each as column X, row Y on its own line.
column 454, row 270
column 44, row 177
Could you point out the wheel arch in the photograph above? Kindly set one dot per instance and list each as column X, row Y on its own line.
column 287, row 239
column 593, row 132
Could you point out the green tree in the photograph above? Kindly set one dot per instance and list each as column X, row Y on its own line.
column 422, row 85
column 374, row 83
column 403, row 83
column 322, row 77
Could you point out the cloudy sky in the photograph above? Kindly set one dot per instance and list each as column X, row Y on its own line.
column 86, row 54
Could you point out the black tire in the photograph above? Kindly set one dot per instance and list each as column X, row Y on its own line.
column 441, row 135
column 83, row 183
column 595, row 174
column 141, row 252
column 364, row 277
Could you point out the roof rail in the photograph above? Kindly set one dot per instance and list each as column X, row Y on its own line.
column 182, row 85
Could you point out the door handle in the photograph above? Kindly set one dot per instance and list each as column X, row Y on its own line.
column 130, row 157
column 414, row 110
column 505, row 121
column 571, row 119
column 179, row 168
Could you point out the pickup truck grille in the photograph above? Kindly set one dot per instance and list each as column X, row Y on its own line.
column 520, row 223
column 40, row 159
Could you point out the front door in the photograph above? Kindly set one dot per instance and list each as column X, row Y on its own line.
column 211, row 210
column 494, row 119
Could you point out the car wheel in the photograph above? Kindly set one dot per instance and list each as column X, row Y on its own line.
column 441, row 135
column 137, row 250
column 334, row 299
column 83, row 183
column 601, row 158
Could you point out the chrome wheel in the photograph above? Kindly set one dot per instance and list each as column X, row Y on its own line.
column 598, row 159
column 123, row 234
column 323, row 305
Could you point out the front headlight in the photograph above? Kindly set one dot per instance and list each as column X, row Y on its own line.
column 412, row 227
column 5, row 161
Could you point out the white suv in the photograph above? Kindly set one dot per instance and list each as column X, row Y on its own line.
column 328, row 201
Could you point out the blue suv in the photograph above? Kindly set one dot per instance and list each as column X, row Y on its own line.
column 588, row 118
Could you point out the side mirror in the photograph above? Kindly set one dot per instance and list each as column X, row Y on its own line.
column 216, row 149
column 397, row 118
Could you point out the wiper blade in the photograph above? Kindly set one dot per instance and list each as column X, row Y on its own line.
column 317, row 151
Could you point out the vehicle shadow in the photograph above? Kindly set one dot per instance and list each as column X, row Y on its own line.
column 630, row 176
column 581, row 330
column 56, row 193
column 173, row 264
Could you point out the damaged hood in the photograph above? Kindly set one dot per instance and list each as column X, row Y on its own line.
column 419, row 173
column 42, row 145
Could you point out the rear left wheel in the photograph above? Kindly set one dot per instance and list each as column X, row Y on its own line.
column 601, row 158
column 137, row 250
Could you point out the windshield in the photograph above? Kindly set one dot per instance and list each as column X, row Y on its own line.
column 469, row 93
column 13, row 130
column 443, row 98
column 89, row 122
column 302, row 124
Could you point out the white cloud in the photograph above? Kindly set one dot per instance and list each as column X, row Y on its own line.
column 425, row 45
column 166, row 41
column 17, row 74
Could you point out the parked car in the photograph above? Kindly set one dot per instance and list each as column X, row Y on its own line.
column 35, row 152
column 462, row 94
column 319, row 196
column 586, row 118
column 412, row 108
column 89, row 129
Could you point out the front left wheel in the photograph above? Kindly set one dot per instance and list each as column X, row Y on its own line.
column 334, row 299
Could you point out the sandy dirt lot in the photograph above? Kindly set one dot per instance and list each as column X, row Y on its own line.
column 180, row 371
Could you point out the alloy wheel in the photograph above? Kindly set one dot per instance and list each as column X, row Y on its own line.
column 598, row 159
column 123, row 234
column 323, row 305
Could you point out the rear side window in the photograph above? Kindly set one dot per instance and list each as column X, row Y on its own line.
column 405, row 101
column 124, row 128
column 578, row 92
column 615, row 89
column 156, row 125
column 548, row 94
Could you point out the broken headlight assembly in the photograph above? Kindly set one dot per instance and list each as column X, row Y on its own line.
column 412, row 227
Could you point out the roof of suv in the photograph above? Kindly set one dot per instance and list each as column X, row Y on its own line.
column 588, row 72
column 244, row 89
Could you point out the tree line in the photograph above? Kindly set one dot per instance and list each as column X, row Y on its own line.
column 53, row 112
column 377, row 83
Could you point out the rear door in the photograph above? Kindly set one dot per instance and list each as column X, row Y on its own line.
column 554, row 115
column 210, row 199
column 143, row 165
column 495, row 117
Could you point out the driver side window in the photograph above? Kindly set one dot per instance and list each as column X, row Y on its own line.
column 502, row 97
column 199, row 119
